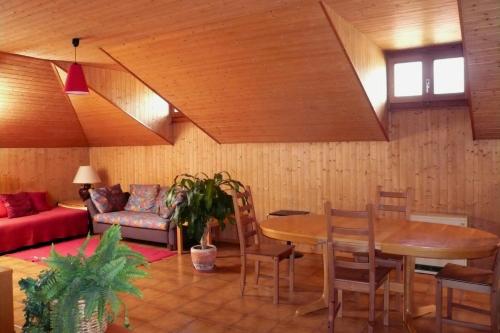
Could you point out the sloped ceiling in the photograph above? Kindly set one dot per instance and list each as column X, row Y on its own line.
column 34, row 112
column 275, row 76
column 244, row 71
column 105, row 124
column 481, row 28
column 131, row 96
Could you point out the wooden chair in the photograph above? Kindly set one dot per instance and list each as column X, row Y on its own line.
column 390, row 260
column 471, row 279
column 251, row 248
column 354, row 276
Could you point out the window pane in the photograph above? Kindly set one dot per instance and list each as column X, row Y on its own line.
column 408, row 79
column 449, row 75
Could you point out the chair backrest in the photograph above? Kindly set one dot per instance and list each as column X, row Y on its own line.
column 363, row 239
column 405, row 199
column 246, row 222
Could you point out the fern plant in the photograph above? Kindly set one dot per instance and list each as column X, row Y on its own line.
column 203, row 198
column 95, row 280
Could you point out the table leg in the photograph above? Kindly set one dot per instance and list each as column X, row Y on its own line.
column 322, row 302
column 408, row 293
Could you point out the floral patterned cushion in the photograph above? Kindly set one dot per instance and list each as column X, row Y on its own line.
column 133, row 219
column 108, row 199
column 143, row 198
column 163, row 210
column 99, row 197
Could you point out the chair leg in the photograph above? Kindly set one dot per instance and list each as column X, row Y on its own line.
column 439, row 306
column 243, row 275
column 332, row 305
column 291, row 271
column 339, row 297
column 449, row 303
column 257, row 271
column 399, row 296
column 494, row 311
column 371, row 310
column 276, row 280
column 387, row 290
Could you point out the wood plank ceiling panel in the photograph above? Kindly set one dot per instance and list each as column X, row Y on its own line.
column 481, row 29
column 402, row 24
column 105, row 124
column 44, row 28
column 131, row 96
column 274, row 76
column 34, row 112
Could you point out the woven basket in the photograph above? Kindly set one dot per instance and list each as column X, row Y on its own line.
column 90, row 325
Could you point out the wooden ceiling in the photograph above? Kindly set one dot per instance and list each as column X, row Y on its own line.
column 481, row 26
column 275, row 76
column 104, row 124
column 34, row 112
column 261, row 70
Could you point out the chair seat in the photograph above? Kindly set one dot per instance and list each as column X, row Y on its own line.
column 270, row 250
column 361, row 275
column 471, row 275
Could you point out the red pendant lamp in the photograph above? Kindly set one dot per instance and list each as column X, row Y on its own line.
column 75, row 81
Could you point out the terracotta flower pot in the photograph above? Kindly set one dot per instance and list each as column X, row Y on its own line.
column 203, row 259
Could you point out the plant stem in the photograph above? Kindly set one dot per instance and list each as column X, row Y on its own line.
column 203, row 241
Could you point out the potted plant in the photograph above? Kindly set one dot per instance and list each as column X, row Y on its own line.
column 198, row 199
column 79, row 293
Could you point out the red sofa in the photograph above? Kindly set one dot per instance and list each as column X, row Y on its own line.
column 43, row 227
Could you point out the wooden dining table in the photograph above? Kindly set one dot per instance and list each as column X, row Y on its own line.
column 392, row 236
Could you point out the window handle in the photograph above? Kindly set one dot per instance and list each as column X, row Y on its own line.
column 427, row 85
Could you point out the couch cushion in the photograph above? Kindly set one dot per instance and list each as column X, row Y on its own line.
column 164, row 211
column 108, row 199
column 17, row 205
column 40, row 201
column 143, row 198
column 99, row 197
column 3, row 210
column 133, row 219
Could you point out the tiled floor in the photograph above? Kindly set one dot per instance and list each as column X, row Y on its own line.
column 178, row 299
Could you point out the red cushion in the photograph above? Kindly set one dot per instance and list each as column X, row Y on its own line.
column 17, row 205
column 39, row 201
column 3, row 210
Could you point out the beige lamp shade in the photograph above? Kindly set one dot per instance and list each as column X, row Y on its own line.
column 86, row 175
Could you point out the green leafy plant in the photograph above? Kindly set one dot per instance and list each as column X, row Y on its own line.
column 36, row 304
column 199, row 198
column 95, row 280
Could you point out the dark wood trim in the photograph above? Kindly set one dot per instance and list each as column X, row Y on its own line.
column 155, row 91
column 428, row 104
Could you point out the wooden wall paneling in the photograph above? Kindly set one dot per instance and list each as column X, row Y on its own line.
column 33, row 109
column 431, row 150
column 269, row 77
column 105, row 124
column 481, row 30
column 367, row 60
column 41, row 169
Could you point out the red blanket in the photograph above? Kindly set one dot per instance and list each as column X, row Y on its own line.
column 42, row 227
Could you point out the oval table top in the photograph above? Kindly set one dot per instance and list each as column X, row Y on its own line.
column 393, row 236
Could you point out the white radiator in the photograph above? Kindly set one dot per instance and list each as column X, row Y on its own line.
column 430, row 266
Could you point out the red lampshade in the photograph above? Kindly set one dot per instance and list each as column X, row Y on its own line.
column 75, row 81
